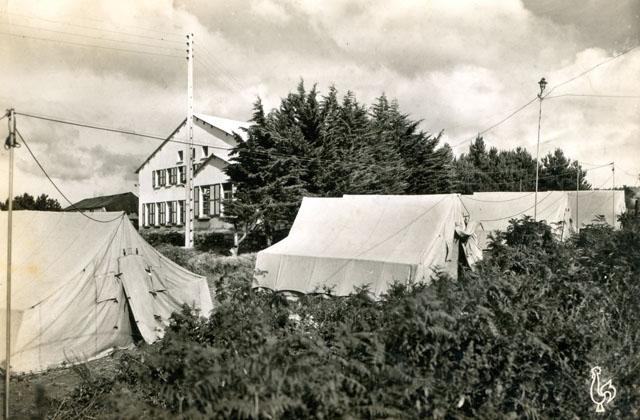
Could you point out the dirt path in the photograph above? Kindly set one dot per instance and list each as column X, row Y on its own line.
column 34, row 396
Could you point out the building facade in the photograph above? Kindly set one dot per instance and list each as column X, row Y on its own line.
column 162, row 176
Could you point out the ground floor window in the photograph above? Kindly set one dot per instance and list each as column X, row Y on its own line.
column 151, row 210
column 161, row 213
column 172, row 212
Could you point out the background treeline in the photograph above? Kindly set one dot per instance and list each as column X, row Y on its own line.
column 28, row 202
column 515, row 339
column 315, row 145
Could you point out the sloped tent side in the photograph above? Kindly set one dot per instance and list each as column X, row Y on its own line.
column 63, row 289
column 68, row 295
column 340, row 244
column 156, row 286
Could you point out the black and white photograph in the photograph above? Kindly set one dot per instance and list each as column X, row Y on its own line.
column 329, row 209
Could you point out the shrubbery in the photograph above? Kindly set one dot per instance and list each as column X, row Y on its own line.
column 514, row 339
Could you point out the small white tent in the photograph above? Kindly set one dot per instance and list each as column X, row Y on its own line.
column 81, row 288
column 340, row 244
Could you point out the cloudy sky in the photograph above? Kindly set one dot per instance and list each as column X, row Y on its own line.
column 458, row 66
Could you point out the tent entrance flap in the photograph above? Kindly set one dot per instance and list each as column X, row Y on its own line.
column 138, row 284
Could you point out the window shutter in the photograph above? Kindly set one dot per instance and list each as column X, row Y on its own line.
column 216, row 199
column 196, row 202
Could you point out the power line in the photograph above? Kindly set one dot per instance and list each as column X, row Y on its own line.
column 116, row 130
column 79, row 44
column 93, row 28
column 212, row 56
column 593, row 96
column 56, row 186
column 99, row 38
column 590, row 70
column 496, row 124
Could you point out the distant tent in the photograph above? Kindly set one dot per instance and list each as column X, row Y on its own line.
column 590, row 204
column 82, row 288
column 340, row 244
column 493, row 210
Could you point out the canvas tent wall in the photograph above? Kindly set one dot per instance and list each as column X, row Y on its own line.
column 82, row 288
column 590, row 204
column 493, row 210
column 344, row 243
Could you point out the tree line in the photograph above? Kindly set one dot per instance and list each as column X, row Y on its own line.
column 28, row 202
column 330, row 145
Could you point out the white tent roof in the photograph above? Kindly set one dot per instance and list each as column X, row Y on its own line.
column 349, row 242
column 76, row 284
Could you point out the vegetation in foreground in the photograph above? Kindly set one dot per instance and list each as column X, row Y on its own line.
column 515, row 339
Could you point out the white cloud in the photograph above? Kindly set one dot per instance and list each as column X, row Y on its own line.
column 458, row 66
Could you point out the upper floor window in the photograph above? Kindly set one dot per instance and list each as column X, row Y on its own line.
column 180, row 155
column 205, row 151
column 173, row 176
column 183, row 174
column 217, row 201
column 206, row 191
column 228, row 190
column 162, row 177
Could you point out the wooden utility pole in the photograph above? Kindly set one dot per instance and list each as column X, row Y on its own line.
column 613, row 194
column 577, row 198
column 10, row 145
column 542, row 83
column 188, row 202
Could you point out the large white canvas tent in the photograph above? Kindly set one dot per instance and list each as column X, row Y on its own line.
column 493, row 210
column 590, row 204
column 82, row 288
column 340, row 244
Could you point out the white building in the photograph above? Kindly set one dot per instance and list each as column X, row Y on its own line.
column 162, row 176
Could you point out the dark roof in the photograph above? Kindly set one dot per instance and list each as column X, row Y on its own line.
column 127, row 202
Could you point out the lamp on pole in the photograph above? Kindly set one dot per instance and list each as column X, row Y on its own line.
column 543, row 84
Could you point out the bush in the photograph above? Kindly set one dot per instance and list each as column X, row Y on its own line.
column 514, row 339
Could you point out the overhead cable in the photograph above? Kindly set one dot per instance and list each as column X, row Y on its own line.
column 58, row 189
column 80, row 44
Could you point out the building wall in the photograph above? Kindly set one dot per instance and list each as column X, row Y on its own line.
column 212, row 174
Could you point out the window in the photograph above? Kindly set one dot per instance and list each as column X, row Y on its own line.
column 216, row 199
column 142, row 216
column 173, row 176
column 205, row 151
column 205, row 200
column 227, row 193
column 182, row 211
column 162, row 177
column 153, row 179
column 196, row 201
column 193, row 153
column 180, row 155
column 161, row 213
column 152, row 213
column 183, row 174
column 172, row 212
